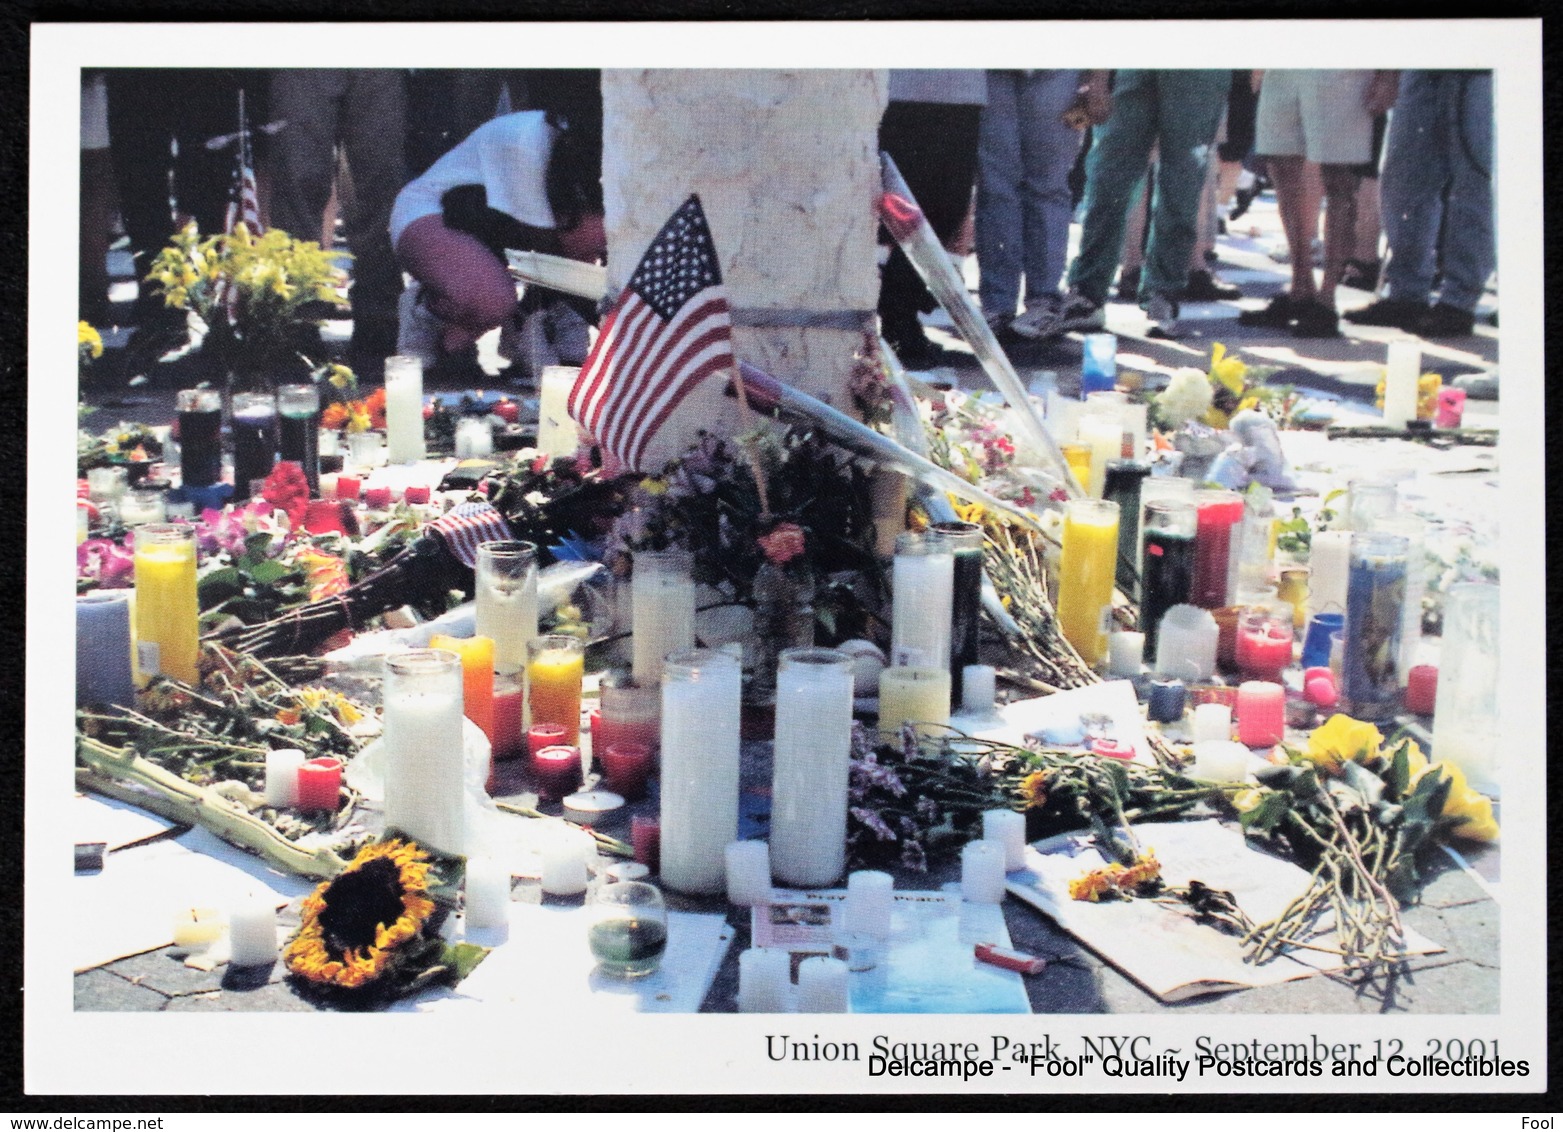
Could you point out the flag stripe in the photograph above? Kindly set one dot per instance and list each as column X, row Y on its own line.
column 654, row 364
column 666, row 388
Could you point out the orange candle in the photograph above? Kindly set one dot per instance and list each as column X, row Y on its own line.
column 477, row 677
column 555, row 667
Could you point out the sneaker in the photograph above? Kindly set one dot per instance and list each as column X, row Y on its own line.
column 1402, row 314
column 1277, row 314
column 1078, row 314
column 1163, row 313
column 1445, row 321
column 1039, row 320
column 1129, row 285
column 1315, row 320
column 1204, row 287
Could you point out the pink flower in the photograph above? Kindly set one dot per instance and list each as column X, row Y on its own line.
column 106, row 561
column 785, row 542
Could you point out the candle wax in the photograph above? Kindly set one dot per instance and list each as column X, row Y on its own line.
column 477, row 677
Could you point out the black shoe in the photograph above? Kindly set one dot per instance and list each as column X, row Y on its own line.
column 1275, row 315
column 1402, row 314
column 921, row 353
column 1244, row 198
column 1204, row 287
column 1360, row 274
column 1129, row 285
column 1315, row 320
column 1445, row 321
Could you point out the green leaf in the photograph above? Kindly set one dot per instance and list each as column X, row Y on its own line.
column 218, row 586
column 1399, row 775
column 270, row 571
column 1268, row 814
column 462, row 959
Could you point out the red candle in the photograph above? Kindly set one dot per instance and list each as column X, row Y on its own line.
column 325, row 516
column 416, row 494
column 508, row 701
column 1112, row 749
column 557, row 770
column 1261, row 713
column 378, row 498
column 347, row 487
column 1316, row 671
column 1218, row 512
column 320, row 784
column 646, row 839
column 542, row 735
column 626, row 766
column 507, row 411
column 1422, row 689
column 1264, row 649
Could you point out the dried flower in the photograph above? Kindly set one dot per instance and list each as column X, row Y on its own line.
column 785, row 542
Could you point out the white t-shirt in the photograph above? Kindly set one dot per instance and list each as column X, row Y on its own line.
column 508, row 156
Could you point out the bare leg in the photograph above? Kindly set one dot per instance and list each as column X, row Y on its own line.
column 1370, row 222
column 464, row 283
column 1299, row 219
column 1340, row 227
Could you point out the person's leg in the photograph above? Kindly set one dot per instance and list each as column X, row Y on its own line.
column 93, row 228
column 1468, row 247
column 1340, row 227
column 304, row 150
column 1299, row 210
column 1113, row 167
column 373, row 138
column 464, row 284
column 1136, row 220
column 1048, row 148
column 1411, row 187
column 1000, row 231
column 1189, row 111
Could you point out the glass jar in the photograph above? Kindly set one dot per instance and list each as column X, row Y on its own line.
column 506, row 600
column 1375, row 601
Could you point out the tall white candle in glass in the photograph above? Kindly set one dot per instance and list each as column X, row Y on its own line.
column 663, row 615
column 922, row 585
column 424, row 784
column 404, row 409
column 557, row 434
column 1101, row 430
column 506, row 607
column 701, row 702
column 813, row 752
column 1329, row 569
column 1401, row 370
column 1466, row 723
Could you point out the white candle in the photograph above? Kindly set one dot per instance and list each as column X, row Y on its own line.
column 1125, row 653
column 564, row 867
column 424, row 787
column 474, row 438
column 1212, row 722
column 701, row 704
column 1186, row 644
column 870, row 900
column 822, row 986
column 748, row 873
column 106, row 483
column 282, row 777
column 403, row 409
column 663, row 615
column 914, row 695
column 1063, row 416
column 1006, row 829
column 1402, row 369
column 488, row 893
column 812, row 759
column 1220, row 760
column 557, row 434
column 252, row 933
column 506, row 606
column 142, row 506
column 982, row 872
column 330, row 442
column 1329, row 563
column 922, row 586
column 1102, row 433
column 1135, row 416
column 764, row 982
column 196, row 929
column 328, row 484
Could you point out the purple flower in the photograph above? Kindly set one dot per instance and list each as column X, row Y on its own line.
column 874, row 822
column 869, row 773
column 104, row 560
column 928, row 810
column 913, row 858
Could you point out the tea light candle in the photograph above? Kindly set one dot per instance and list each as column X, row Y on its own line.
column 593, row 808
column 626, row 768
column 1261, row 713
column 1212, row 723
column 1422, row 689
column 979, row 689
column 1186, row 643
column 764, row 981
column 282, row 769
column 1125, row 653
column 1329, row 562
column 564, row 867
column 822, row 986
column 1403, row 366
column 540, row 736
column 252, row 933
column 1220, row 760
column 103, row 667
column 557, row 433
column 982, row 872
column 870, row 901
column 914, row 695
column 557, row 771
column 477, row 677
column 196, row 929
column 646, row 841
column 748, row 873
column 1165, row 702
column 488, row 893
column 320, row 784
column 404, row 409
column 1008, row 829
column 701, row 707
column 811, row 764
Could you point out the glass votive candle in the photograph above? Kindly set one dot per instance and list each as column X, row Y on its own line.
column 628, row 931
column 557, row 771
column 646, row 840
column 1264, row 643
column 1261, row 713
column 366, row 449
column 106, row 483
column 142, row 505
column 626, row 767
column 1166, row 700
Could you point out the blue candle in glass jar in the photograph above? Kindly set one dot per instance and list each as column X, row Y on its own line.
column 1375, row 596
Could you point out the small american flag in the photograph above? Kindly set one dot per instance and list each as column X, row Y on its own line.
column 243, row 199
column 466, row 525
column 666, row 337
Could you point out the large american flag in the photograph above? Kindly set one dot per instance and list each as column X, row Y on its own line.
column 668, row 334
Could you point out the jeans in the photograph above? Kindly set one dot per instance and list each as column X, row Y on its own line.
column 1438, row 170
column 1024, row 154
column 1181, row 110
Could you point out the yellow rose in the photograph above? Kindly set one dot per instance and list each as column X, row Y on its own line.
column 87, row 337
column 1247, row 799
column 1341, row 738
column 1229, row 371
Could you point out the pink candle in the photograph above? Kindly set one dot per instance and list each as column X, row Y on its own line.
column 348, row 487
column 557, row 771
column 626, row 766
column 507, row 719
column 1320, row 691
column 543, row 735
column 1422, row 689
column 320, row 784
column 1112, row 749
column 646, row 839
column 1261, row 713
column 416, row 494
column 1451, row 408
column 378, row 498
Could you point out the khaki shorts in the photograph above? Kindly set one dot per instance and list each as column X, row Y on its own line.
column 1318, row 115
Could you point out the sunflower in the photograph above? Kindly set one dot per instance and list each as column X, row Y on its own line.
column 354, row 924
column 1033, row 788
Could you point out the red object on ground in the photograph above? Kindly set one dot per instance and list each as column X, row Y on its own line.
column 1263, row 652
column 378, row 498
column 1320, row 691
column 1112, row 749
column 646, row 839
column 626, row 767
column 508, row 742
column 325, row 516
column 1010, row 959
column 557, row 771
column 1422, row 689
column 320, row 784
column 417, row 494
column 507, row 411
column 348, row 487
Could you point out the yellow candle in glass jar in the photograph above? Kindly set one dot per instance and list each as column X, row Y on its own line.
column 1085, row 575
column 1078, row 457
column 555, row 667
column 917, row 695
column 167, row 630
column 477, row 677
